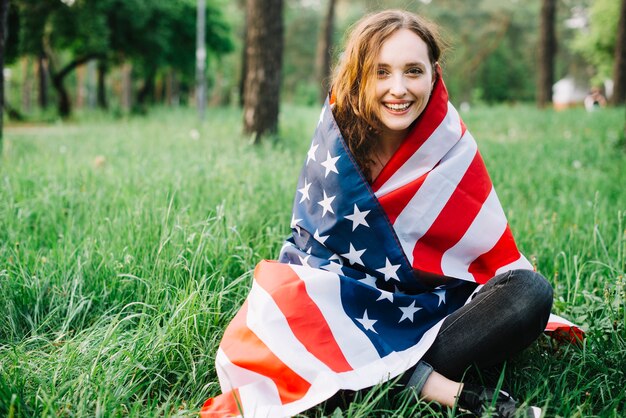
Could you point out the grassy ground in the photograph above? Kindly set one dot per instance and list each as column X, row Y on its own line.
column 126, row 246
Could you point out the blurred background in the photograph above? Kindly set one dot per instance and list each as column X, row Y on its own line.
column 120, row 56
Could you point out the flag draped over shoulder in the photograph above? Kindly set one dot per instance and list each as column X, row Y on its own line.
column 344, row 307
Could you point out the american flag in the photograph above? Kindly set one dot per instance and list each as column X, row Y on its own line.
column 342, row 308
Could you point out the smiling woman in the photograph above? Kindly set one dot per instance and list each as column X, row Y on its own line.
column 401, row 262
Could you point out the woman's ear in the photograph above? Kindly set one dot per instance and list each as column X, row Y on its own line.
column 436, row 73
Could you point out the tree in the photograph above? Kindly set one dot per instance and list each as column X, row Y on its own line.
column 547, row 51
column 264, row 51
column 598, row 43
column 324, row 49
column 619, row 66
column 484, row 39
column 153, row 36
column 48, row 26
column 4, row 11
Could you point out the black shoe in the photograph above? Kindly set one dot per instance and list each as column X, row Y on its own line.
column 478, row 400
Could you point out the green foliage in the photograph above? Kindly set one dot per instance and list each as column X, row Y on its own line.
column 301, row 34
column 503, row 77
column 126, row 247
column 598, row 43
column 153, row 35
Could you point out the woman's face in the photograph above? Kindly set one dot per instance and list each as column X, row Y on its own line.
column 404, row 80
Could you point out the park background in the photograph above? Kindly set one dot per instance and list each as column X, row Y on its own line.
column 135, row 198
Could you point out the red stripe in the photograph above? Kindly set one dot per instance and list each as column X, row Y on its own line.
column 224, row 405
column 432, row 116
column 504, row 252
column 244, row 349
column 304, row 317
column 454, row 219
column 565, row 332
column 394, row 202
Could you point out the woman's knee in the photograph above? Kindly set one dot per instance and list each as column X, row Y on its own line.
column 537, row 291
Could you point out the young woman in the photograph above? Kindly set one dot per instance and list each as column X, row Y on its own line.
column 401, row 261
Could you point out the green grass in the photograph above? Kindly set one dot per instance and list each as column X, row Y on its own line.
column 126, row 246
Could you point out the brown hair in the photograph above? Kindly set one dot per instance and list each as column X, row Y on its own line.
column 355, row 110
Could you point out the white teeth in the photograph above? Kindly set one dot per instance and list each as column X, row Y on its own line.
column 402, row 106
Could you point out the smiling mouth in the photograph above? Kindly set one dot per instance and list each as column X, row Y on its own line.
column 398, row 107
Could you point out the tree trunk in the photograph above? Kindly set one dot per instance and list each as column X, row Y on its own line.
column 4, row 12
column 101, row 85
column 146, row 92
column 619, row 68
column 64, row 103
column 244, row 68
column 127, row 89
column 324, row 50
column 27, row 85
column 80, row 86
column 264, row 50
column 42, row 78
column 547, row 52
column 241, row 4
column 172, row 89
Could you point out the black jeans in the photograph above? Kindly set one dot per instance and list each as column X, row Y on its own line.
column 504, row 317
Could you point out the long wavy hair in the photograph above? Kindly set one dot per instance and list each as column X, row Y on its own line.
column 353, row 84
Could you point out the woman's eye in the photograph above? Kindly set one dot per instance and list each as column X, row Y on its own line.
column 381, row 73
column 415, row 71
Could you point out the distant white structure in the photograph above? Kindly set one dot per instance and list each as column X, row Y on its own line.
column 567, row 92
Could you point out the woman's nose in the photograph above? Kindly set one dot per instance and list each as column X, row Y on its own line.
column 398, row 87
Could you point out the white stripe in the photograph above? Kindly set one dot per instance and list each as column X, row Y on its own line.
column 266, row 320
column 232, row 376
column 252, row 386
column 424, row 208
column 324, row 289
column 428, row 155
column 482, row 235
column 560, row 320
column 260, row 399
column 520, row 264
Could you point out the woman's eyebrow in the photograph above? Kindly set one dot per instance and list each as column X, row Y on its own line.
column 408, row 64
column 415, row 64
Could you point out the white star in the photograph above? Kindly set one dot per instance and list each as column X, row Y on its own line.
column 385, row 295
column 333, row 267
column 337, row 258
column 322, row 115
column 329, row 164
column 311, row 153
column 441, row 294
column 369, row 280
column 389, row 270
column 319, row 238
column 294, row 223
column 325, row 203
column 358, row 217
column 354, row 256
column 408, row 312
column 367, row 323
column 304, row 260
column 305, row 191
